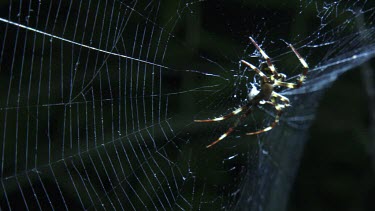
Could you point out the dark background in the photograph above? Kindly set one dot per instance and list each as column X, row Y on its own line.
column 337, row 166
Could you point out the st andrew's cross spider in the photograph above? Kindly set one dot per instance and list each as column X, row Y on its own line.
column 265, row 95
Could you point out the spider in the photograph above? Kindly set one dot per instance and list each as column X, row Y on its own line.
column 265, row 95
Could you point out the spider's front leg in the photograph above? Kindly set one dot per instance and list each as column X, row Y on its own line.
column 301, row 78
column 267, row 58
column 260, row 73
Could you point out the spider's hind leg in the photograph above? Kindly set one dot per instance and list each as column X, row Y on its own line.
column 227, row 116
column 231, row 129
column 279, row 108
column 283, row 99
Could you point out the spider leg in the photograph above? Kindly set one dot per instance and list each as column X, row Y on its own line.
column 256, row 70
column 279, row 108
column 233, row 113
column 283, row 99
column 302, row 76
column 267, row 58
column 286, row 84
column 231, row 129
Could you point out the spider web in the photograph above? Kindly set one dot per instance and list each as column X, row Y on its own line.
column 98, row 99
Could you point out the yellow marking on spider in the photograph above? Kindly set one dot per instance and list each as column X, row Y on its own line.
column 302, row 78
column 260, row 131
column 203, row 120
column 289, row 85
column 282, row 76
column 267, row 129
column 238, row 110
column 272, row 68
column 210, row 120
column 218, row 119
column 270, row 65
column 282, row 98
column 254, row 68
column 222, row 136
column 263, row 54
column 303, row 62
column 279, row 107
column 235, row 112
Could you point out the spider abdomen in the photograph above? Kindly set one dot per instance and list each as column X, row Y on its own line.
column 264, row 94
column 267, row 89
